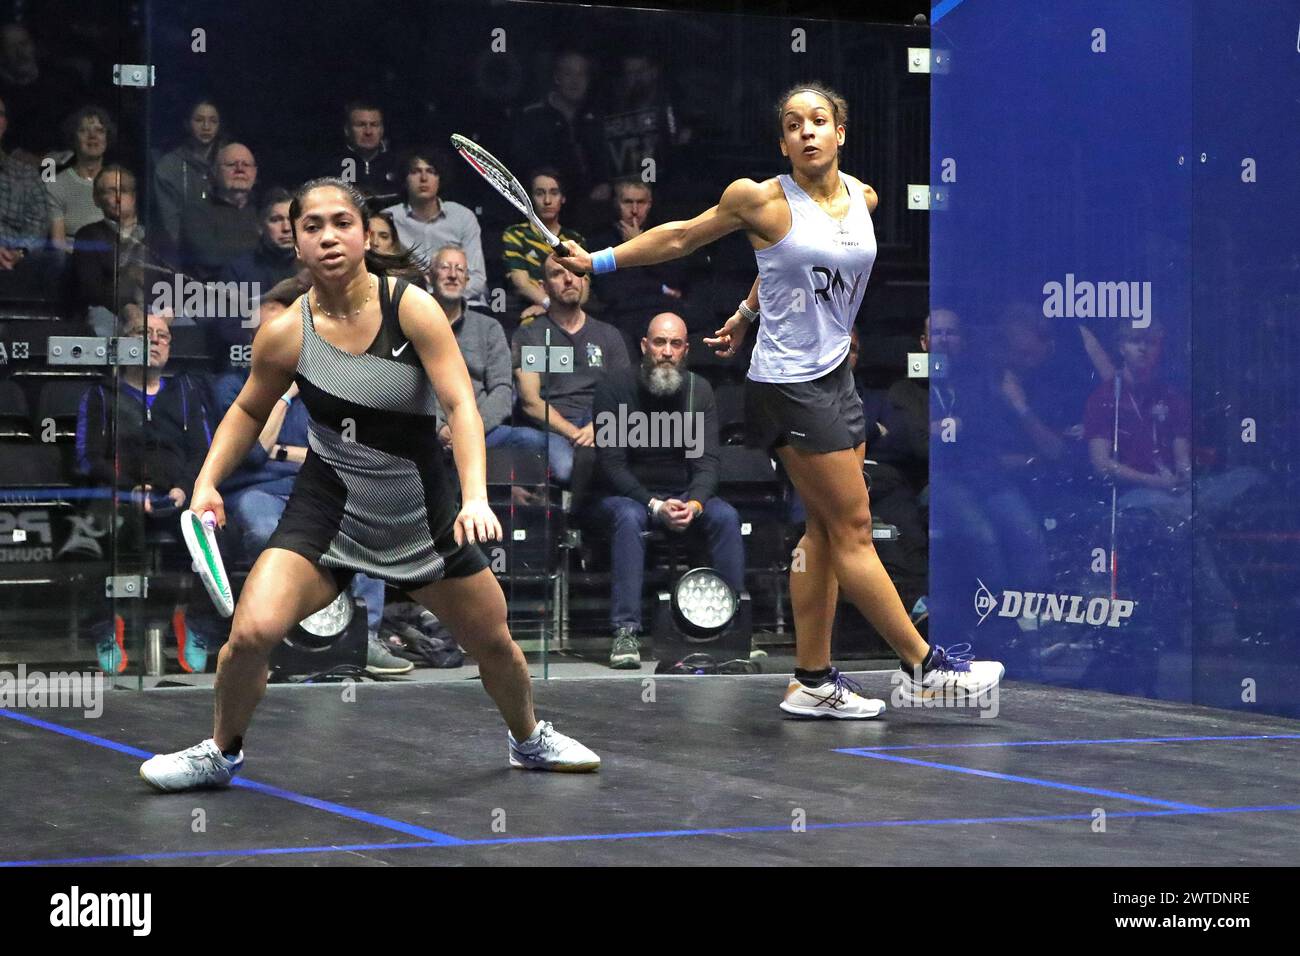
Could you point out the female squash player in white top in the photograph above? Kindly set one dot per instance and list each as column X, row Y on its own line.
column 815, row 245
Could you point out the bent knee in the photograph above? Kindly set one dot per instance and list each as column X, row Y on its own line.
column 488, row 643
column 853, row 530
column 255, row 634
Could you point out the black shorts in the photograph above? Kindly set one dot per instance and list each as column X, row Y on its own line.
column 821, row 415
column 463, row 562
column 311, row 522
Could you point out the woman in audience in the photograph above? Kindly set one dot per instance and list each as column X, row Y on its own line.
column 382, row 233
column 185, row 174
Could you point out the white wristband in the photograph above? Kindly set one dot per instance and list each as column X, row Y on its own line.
column 749, row 314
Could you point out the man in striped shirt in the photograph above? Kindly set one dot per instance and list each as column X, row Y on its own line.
column 525, row 250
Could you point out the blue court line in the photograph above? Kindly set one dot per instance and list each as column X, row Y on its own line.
column 942, row 9
column 1050, row 784
column 199, row 854
column 338, row 809
column 648, row 834
column 861, row 751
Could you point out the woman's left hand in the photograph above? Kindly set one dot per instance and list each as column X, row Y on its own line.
column 476, row 523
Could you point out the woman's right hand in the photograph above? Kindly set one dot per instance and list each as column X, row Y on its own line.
column 729, row 338
column 207, row 498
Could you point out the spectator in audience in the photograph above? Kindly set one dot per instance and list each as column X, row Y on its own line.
column 1153, row 464
column 382, row 234
column 426, row 223
column 38, row 96
column 149, row 434
column 272, row 260
column 185, row 175
column 107, row 255
column 256, row 494
column 27, row 268
column 90, row 132
column 630, row 295
column 1046, row 370
column 672, row 487
column 982, row 507
column 562, row 130
column 641, row 123
column 597, row 350
column 483, row 346
column 525, row 250
column 909, row 401
column 366, row 158
column 215, row 232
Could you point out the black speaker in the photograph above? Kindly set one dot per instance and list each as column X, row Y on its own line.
column 332, row 637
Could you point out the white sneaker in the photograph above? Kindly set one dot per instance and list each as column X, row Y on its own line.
column 837, row 697
column 203, row 765
column 548, row 749
column 952, row 674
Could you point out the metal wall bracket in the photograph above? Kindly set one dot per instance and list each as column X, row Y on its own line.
column 133, row 74
column 533, row 358
column 918, row 364
column 96, row 350
column 126, row 586
column 918, row 59
column 920, row 196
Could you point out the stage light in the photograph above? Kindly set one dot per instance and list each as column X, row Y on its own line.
column 703, row 604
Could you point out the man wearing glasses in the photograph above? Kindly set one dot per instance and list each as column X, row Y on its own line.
column 482, row 344
column 162, row 436
column 226, row 226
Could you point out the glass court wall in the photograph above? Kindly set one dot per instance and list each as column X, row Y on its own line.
column 127, row 326
column 1112, row 390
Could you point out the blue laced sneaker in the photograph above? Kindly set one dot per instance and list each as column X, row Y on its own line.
column 952, row 674
column 838, row 697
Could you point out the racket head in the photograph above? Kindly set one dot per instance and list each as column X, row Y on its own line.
column 201, row 541
column 506, row 183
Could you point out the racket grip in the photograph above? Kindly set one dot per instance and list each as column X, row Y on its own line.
column 209, row 520
column 563, row 250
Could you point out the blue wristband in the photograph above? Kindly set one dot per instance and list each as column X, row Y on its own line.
column 603, row 261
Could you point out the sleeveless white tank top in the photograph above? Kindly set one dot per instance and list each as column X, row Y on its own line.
column 811, row 284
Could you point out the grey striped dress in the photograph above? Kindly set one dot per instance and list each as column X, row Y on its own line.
column 374, row 494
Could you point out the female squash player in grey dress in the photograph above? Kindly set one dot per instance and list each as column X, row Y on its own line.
column 369, row 354
column 814, row 243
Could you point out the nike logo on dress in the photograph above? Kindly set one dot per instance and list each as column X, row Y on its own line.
column 397, row 352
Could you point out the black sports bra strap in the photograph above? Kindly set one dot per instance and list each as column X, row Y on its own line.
column 388, row 306
column 399, row 289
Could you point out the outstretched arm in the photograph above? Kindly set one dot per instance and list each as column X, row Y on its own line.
column 673, row 240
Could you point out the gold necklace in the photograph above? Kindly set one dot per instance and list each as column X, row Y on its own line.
column 346, row 315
